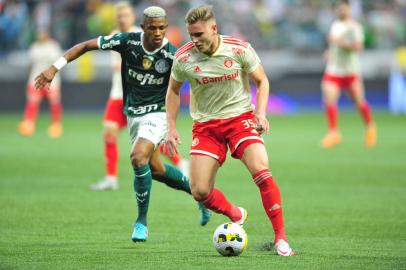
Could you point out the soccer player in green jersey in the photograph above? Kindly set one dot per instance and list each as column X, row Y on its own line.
column 145, row 70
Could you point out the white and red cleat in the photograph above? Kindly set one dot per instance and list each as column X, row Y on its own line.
column 282, row 248
column 244, row 216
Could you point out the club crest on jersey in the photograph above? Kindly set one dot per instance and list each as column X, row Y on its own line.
column 147, row 62
column 162, row 66
column 228, row 63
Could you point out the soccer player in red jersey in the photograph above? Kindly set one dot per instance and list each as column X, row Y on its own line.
column 114, row 118
column 343, row 72
column 42, row 53
column 218, row 69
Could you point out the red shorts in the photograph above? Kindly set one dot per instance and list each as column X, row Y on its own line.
column 114, row 113
column 211, row 138
column 340, row 81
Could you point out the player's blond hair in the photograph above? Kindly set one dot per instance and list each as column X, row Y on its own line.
column 154, row 12
column 202, row 13
column 122, row 5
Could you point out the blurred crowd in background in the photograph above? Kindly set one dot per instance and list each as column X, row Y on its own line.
column 268, row 24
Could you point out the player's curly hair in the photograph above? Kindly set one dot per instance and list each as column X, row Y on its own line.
column 202, row 13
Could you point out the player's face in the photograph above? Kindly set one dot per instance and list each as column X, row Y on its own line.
column 203, row 35
column 42, row 35
column 154, row 31
column 125, row 19
column 343, row 11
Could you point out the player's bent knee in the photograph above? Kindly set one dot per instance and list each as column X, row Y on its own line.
column 139, row 159
column 200, row 194
column 110, row 136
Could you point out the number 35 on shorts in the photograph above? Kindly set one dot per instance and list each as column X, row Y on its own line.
column 248, row 123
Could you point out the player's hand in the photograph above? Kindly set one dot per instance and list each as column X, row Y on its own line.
column 262, row 124
column 171, row 142
column 44, row 79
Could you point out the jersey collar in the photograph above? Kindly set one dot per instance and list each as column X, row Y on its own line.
column 219, row 47
column 164, row 42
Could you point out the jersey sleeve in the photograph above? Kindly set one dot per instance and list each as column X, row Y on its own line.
column 358, row 33
column 114, row 42
column 250, row 60
column 177, row 72
column 31, row 54
column 56, row 52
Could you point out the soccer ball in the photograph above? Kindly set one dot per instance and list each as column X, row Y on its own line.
column 230, row 239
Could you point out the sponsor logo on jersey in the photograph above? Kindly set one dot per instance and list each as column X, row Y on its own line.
column 184, row 59
column 197, row 69
column 108, row 37
column 238, row 51
column 228, row 63
column 145, row 78
column 225, row 77
column 147, row 61
column 111, row 44
column 144, row 109
column 167, row 54
column 135, row 54
column 162, row 66
column 133, row 42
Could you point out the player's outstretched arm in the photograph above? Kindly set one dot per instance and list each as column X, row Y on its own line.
column 45, row 78
column 172, row 108
column 260, row 79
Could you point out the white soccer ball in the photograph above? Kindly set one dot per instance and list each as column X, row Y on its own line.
column 230, row 239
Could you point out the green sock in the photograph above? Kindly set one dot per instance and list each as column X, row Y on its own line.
column 142, row 188
column 174, row 178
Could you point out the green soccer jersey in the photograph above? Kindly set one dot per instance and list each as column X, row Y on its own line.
column 145, row 75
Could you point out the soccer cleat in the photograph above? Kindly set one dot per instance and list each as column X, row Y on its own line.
column 370, row 136
column 205, row 214
column 331, row 139
column 106, row 183
column 26, row 128
column 282, row 248
column 55, row 130
column 184, row 167
column 244, row 216
column 140, row 233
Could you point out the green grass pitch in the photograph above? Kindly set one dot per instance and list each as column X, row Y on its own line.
column 344, row 208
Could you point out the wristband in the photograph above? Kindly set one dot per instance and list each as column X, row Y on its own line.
column 60, row 63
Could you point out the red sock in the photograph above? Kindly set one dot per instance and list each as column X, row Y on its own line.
column 31, row 111
column 56, row 112
column 111, row 157
column 365, row 111
column 271, row 200
column 217, row 202
column 332, row 115
column 175, row 158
